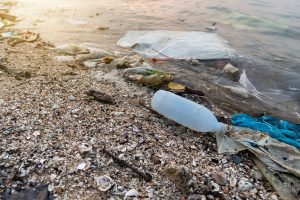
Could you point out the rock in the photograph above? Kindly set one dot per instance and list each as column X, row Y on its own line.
column 236, row 159
column 85, row 148
column 36, row 133
column 220, row 178
column 71, row 98
column 131, row 193
column 214, row 186
column 90, row 64
column 180, row 176
column 274, row 197
column 232, row 72
column 50, row 187
column 155, row 159
column 197, row 197
column 118, row 114
column 2, row 102
column 244, row 185
column 53, row 177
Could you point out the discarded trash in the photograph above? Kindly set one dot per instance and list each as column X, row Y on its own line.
column 146, row 76
column 176, row 88
column 177, row 45
column 278, row 129
column 231, row 140
column 100, row 97
column 104, row 183
column 131, row 193
column 72, row 49
column 286, row 185
column 90, row 64
column 182, row 111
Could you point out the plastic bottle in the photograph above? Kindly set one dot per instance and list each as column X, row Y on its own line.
column 186, row 112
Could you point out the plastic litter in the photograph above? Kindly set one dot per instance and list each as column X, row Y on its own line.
column 177, row 44
column 147, row 76
column 278, row 129
column 185, row 112
column 230, row 139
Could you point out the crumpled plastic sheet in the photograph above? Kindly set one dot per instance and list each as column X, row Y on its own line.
column 177, row 44
column 278, row 129
column 273, row 153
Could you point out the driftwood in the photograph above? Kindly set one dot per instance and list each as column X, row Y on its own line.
column 146, row 176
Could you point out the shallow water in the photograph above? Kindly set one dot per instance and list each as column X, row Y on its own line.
column 265, row 31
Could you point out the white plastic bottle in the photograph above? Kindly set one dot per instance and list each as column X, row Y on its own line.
column 186, row 112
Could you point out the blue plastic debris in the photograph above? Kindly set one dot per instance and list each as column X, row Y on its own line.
column 278, row 129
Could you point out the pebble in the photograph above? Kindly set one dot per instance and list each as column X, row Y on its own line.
column 118, row 114
column 256, row 174
column 2, row 102
column 220, row 178
column 51, row 188
column 71, row 98
column 52, row 177
column 244, row 185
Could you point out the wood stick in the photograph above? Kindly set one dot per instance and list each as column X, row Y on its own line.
column 123, row 163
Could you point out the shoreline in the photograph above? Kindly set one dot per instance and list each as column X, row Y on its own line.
column 47, row 116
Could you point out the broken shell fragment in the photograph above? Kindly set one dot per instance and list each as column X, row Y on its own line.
column 104, row 183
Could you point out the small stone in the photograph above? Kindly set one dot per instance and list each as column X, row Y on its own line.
column 59, row 190
column 244, row 185
column 274, row 197
column 215, row 187
column 131, row 193
column 52, row 177
column 2, row 102
column 81, row 166
column 36, row 133
column 197, row 197
column 71, row 98
column 155, row 159
column 220, row 178
column 85, row 148
column 118, row 114
column 180, row 176
column 51, row 188
column 236, row 159
column 231, row 71
column 90, row 64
